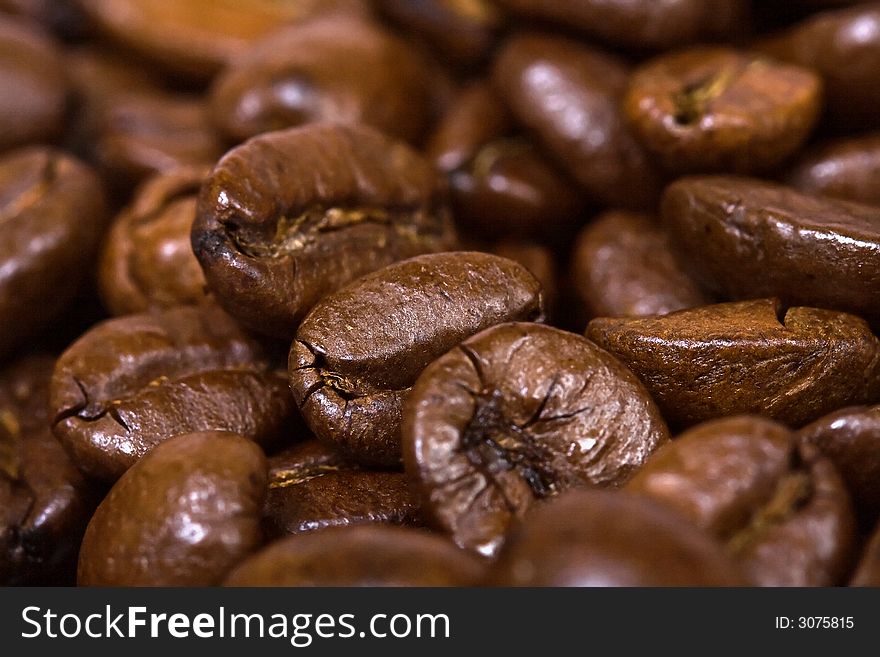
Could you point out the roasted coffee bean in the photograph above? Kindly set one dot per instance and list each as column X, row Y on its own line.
column 642, row 24
column 623, row 264
column 312, row 486
column 747, row 357
column 366, row 555
column 52, row 214
column 463, row 31
column 499, row 181
column 604, row 538
column 474, row 117
column 539, row 261
column 360, row 349
column 309, row 458
column 307, row 501
column 719, row 109
column 569, row 95
column 98, row 74
column 519, row 413
column 33, row 83
column 198, row 37
column 184, row 515
column 140, row 134
column 45, row 502
column 780, row 508
column 147, row 260
column 868, row 571
column 848, row 169
column 291, row 216
column 132, row 382
column 744, row 238
column 100, row 77
column 842, row 45
column 337, row 69
column 850, row 438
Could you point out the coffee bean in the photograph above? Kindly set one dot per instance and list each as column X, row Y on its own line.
column 603, row 538
column 569, row 95
column 719, row 109
column 366, row 555
column 291, row 216
column 312, row 486
column 147, row 260
column 848, row 169
column 45, row 502
column 745, row 238
column 462, row 32
column 519, row 413
column 499, row 181
column 139, row 134
column 301, row 500
column 52, row 213
column 33, row 83
column 359, row 350
column 184, row 515
column 623, row 264
column 782, row 511
column 198, row 36
column 640, row 24
column 747, row 357
column 850, row 438
column 539, row 260
column 843, row 45
column 132, row 382
column 325, row 70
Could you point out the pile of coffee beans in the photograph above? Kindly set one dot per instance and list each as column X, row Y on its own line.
column 439, row 293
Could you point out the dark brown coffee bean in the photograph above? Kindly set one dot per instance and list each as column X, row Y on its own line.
column 45, row 502
column 868, row 571
column 462, row 31
column 743, row 238
column 147, row 260
column 360, row 349
column 139, row 134
column 719, row 109
column 366, row 555
column 307, row 459
column 98, row 74
column 569, row 95
column 848, row 169
column 311, row 500
column 842, row 45
column 640, row 24
column 782, row 511
column 33, row 83
column 747, row 357
column 198, row 37
column 52, row 214
column 623, row 264
column 184, row 515
column 291, row 216
column 475, row 116
column 518, row 413
column 539, row 261
column 850, row 438
column 337, row 69
column 132, row 382
column 603, row 538
column 499, row 181
column 99, row 78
